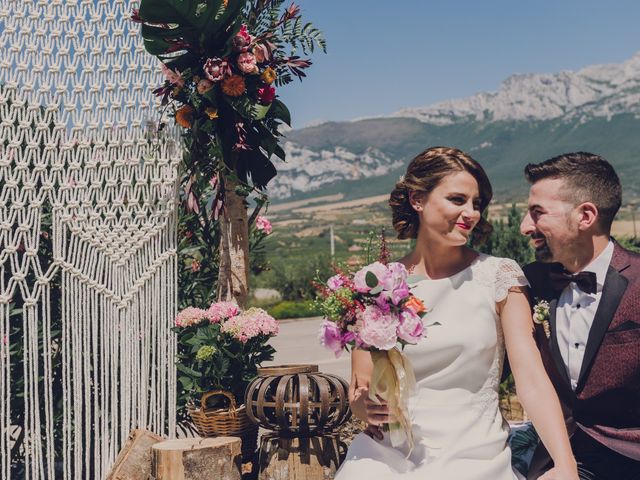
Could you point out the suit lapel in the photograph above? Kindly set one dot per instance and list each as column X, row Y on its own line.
column 553, row 341
column 612, row 291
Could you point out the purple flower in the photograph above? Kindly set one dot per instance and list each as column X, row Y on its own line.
column 410, row 328
column 360, row 278
column 330, row 337
column 378, row 328
column 335, row 282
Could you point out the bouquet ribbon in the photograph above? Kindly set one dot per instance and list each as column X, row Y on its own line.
column 393, row 381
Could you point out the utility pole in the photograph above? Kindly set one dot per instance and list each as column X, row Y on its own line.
column 333, row 243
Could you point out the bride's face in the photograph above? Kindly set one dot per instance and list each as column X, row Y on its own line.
column 450, row 212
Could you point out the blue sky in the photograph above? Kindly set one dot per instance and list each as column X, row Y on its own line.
column 383, row 56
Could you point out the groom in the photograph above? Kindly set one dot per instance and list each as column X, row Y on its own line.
column 590, row 344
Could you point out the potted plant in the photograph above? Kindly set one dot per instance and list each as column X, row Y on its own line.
column 219, row 352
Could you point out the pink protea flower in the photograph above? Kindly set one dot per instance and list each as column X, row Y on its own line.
column 190, row 316
column 221, row 311
column 410, row 328
column 216, row 69
column 175, row 78
column 263, row 225
column 261, row 53
column 247, row 63
column 266, row 94
column 378, row 328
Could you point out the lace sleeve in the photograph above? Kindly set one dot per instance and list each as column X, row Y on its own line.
column 508, row 275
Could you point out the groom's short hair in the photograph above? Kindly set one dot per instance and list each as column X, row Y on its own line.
column 588, row 178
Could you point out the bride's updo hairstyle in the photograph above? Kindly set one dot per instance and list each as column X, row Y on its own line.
column 424, row 173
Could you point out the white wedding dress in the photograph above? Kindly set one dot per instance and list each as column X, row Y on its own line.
column 458, row 428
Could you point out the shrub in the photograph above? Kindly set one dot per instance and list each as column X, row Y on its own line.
column 291, row 309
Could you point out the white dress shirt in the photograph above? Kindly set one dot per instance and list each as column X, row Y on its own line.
column 575, row 313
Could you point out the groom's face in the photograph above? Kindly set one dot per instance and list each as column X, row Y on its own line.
column 549, row 221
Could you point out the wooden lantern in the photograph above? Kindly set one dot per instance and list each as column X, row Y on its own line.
column 297, row 400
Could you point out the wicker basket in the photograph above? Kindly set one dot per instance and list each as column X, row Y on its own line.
column 225, row 422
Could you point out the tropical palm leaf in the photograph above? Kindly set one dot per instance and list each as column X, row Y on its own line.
column 180, row 32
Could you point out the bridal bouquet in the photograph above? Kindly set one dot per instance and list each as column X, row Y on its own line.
column 374, row 310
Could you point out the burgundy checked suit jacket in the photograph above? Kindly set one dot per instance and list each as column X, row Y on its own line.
column 606, row 402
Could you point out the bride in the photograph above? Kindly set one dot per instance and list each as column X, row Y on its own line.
column 477, row 306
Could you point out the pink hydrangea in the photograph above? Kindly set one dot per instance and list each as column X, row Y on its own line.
column 378, row 269
column 378, row 328
column 264, row 225
column 221, row 311
column 191, row 316
column 247, row 63
column 330, row 337
column 410, row 328
column 250, row 324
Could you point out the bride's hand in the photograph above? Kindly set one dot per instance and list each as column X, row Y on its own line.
column 377, row 415
column 559, row 473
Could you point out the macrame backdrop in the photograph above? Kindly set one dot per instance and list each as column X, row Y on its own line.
column 76, row 145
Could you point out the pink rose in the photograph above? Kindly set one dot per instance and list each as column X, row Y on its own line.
column 378, row 328
column 335, row 282
column 247, row 63
column 266, row 94
column 215, row 69
column 330, row 337
column 263, row 225
column 410, row 327
column 360, row 278
column 204, row 86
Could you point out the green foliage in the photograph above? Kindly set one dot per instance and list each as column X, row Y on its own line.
column 294, row 279
column 335, row 305
column 175, row 30
column 630, row 243
column 294, row 309
column 507, row 241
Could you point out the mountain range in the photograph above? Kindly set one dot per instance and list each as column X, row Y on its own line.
column 530, row 118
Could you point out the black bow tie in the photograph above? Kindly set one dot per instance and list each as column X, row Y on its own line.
column 586, row 281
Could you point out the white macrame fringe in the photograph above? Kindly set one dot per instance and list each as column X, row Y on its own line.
column 75, row 99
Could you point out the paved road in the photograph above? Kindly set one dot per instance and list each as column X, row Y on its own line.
column 298, row 342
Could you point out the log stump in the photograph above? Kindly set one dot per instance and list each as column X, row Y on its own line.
column 196, row 459
column 134, row 459
column 311, row 458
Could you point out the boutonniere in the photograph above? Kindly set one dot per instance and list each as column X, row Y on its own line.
column 541, row 316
